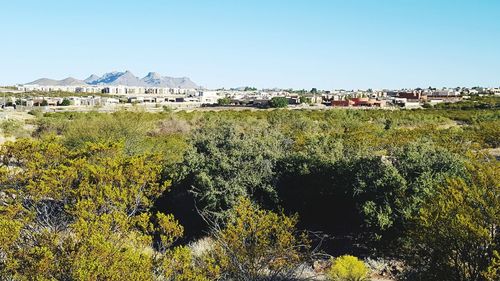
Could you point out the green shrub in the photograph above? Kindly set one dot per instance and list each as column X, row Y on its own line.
column 224, row 101
column 65, row 102
column 348, row 268
column 427, row 105
column 37, row 112
column 461, row 217
column 278, row 102
column 167, row 109
column 304, row 99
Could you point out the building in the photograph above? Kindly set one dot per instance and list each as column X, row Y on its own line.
column 413, row 96
column 342, row 103
column 361, row 102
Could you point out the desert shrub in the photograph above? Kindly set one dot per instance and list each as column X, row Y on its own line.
column 167, row 109
column 13, row 128
column 348, row 268
column 255, row 244
column 455, row 234
column 171, row 126
column 141, row 132
column 475, row 102
column 487, row 132
column 427, row 105
column 228, row 162
column 224, row 101
column 181, row 265
column 131, row 128
column 278, row 102
column 493, row 271
column 65, row 102
column 375, row 173
column 69, row 211
column 36, row 112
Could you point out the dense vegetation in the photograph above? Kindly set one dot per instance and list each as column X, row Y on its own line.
column 130, row 195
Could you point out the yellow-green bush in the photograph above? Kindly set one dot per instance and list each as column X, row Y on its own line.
column 348, row 268
column 256, row 244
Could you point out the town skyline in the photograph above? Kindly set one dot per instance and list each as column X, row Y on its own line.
column 156, row 80
column 303, row 44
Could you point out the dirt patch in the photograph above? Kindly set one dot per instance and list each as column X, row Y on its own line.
column 21, row 117
column 495, row 152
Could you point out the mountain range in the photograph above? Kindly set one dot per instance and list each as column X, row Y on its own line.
column 127, row 78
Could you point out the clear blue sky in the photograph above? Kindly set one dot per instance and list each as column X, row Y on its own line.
column 265, row 43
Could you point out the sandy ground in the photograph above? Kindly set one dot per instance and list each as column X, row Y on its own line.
column 5, row 90
column 15, row 115
column 6, row 139
column 495, row 152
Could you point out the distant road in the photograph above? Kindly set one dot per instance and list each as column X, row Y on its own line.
column 5, row 90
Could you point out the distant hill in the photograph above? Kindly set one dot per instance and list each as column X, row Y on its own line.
column 91, row 79
column 126, row 78
column 65, row 82
column 155, row 79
